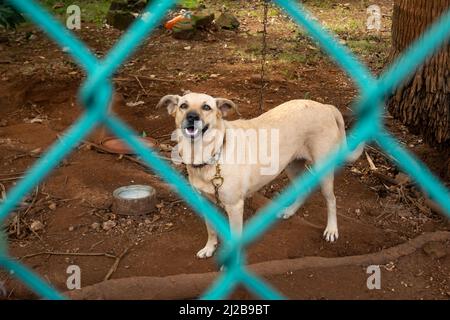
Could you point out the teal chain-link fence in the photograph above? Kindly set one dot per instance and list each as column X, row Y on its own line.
column 95, row 95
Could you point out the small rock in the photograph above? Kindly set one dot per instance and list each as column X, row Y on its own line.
column 227, row 21
column 203, row 19
column 95, row 226
column 52, row 206
column 187, row 48
column 402, row 178
column 404, row 214
column 36, row 225
column 108, row 225
column 435, row 249
column 147, row 221
column 71, row 228
column 3, row 123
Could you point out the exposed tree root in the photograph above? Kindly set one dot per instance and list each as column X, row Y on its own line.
column 188, row 286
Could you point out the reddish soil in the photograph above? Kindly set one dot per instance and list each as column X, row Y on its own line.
column 38, row 95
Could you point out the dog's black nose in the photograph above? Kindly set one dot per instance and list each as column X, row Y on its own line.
column 192, row 116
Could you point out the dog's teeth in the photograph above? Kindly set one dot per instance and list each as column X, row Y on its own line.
column 191, row 132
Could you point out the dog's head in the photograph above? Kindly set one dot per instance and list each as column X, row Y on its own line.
column 196, row 113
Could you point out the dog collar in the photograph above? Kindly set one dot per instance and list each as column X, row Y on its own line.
column 213, row 160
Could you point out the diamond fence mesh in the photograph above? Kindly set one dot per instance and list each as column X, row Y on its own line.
column 95, row 95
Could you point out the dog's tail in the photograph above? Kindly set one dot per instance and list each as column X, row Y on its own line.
column 341, row 125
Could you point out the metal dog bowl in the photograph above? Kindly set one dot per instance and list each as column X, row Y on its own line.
column 134, row 200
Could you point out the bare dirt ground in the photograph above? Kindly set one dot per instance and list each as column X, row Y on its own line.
column 38, row 89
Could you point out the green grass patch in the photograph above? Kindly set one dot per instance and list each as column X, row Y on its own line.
column 190, row 4
column 364, row 46
column 322, row 4
column 92, row 11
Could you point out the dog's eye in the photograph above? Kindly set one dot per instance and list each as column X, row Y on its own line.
column 184, row 106
column 206, row 107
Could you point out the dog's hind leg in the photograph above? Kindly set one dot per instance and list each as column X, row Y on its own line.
column 331, row 232
column 321, row 148
column 293, row 169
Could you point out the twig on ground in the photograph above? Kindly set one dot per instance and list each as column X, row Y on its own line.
column 82, row 254
column 33, row 201
column 116, row 264
column 10, row 179
column 370, row 161
column 96, row 244
column 388, row 157
column 142, row 87
column 146, row 78
column 385, row 178
column 12, row 174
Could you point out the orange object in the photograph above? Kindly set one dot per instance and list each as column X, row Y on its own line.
column 115, row 145
column 169, row 24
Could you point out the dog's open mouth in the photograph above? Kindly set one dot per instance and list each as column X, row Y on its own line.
column 193, row 131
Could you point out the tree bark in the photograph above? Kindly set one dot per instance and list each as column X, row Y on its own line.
column 423, row 103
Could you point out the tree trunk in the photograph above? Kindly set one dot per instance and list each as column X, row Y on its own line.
column 423, row 103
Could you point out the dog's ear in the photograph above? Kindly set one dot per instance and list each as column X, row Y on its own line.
column 170, row 102
column 225, row 105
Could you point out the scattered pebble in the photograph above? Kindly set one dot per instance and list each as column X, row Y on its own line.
column 95, row 226
column 36, row 226
column 402, row 178
column 108, row 225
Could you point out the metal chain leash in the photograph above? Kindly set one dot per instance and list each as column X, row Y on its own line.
column 217, row 182
column 263, row 56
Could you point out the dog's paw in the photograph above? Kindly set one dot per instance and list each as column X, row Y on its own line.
column 331, row 234
column 285, row 214
column 206, row 252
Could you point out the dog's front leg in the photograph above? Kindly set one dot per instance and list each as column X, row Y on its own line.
column 236, row 216
column 236, row 219
column 211, row 244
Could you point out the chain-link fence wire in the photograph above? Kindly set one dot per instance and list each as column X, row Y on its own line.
column 96, row 92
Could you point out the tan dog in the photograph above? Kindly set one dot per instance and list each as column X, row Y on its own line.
column 293, row 134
